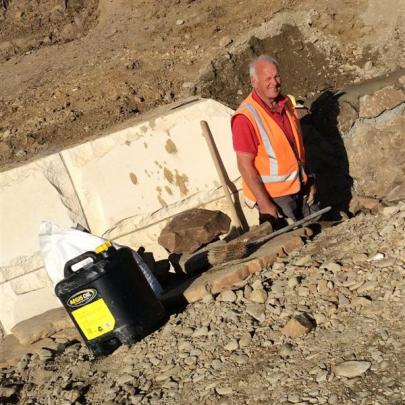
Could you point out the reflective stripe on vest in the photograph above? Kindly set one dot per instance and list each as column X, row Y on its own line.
column 273, row 178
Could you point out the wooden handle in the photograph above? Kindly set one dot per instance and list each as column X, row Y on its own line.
column 290, row 227
column 214, row 154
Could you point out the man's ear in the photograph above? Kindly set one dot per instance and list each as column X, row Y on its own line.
column 253, row 81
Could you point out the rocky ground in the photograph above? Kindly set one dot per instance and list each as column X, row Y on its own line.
column 323, row 325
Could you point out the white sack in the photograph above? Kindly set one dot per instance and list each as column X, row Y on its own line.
column 57, row 246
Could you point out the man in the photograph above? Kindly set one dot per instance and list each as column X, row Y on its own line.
column 269, row 149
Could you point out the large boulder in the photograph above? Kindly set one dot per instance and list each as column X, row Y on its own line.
column 396, row 194
column 372, row 105
column 191, row 229
column 376, row 153
column 355, row 142
column 41, row 326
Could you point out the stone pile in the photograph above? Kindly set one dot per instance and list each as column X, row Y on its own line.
column 321, row 326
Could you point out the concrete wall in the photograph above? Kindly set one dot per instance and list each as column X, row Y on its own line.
column 124, row 186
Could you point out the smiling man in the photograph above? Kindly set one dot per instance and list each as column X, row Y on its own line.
column 269, row 149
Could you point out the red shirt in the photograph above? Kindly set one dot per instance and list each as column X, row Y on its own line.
column 244, row 135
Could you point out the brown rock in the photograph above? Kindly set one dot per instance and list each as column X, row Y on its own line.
column 68, row 335
column 41, row 326
column 191, row 229
column 11, row 351
column 361, row 301
column 368, row 203
column 354, row 205
column 282, row 244
column 256, row 311
column 351, row 369
column 258, row 296
column 346, row 118
column 225, row 41
column 227, row 296
column 298, row 326
column 5, row 150
column 322, row 287
column 375, row 152
column 292, row 243
column 196, row 290
column 396, row 194
column 69, row 31
column 255, row 265
column 382, row 100
column 227, row 277
column 269, row 259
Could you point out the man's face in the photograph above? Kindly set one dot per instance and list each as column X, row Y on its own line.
column 267, row 81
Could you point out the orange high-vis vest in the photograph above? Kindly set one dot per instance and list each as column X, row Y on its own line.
column 280, row 170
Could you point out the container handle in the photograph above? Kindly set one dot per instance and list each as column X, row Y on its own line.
column 67, row 271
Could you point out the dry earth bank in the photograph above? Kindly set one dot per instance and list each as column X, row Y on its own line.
column 68, row 73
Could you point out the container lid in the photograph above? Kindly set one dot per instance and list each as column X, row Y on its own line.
column 103, row 247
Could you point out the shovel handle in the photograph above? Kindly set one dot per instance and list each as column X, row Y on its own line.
column 214, row 154
column 290, row 227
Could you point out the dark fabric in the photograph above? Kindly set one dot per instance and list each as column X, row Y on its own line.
column 293, row 206
column 276, row 223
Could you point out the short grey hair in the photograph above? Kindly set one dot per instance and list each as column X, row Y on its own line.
column 261, row 58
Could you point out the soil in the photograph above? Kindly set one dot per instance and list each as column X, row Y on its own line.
column 27, row 26
column 71, row 69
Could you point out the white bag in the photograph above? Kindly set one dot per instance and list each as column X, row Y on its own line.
column 57, row 246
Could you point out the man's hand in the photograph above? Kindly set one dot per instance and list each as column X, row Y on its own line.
column 311, row 193
column 267, row 207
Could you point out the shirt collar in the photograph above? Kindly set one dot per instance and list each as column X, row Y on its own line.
column 280, row 102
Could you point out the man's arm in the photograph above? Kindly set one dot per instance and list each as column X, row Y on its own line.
column 253, row 181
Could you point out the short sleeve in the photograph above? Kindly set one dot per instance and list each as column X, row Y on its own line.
column 243, row 135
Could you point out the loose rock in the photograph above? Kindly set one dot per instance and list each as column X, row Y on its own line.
column 298, row 326
column 351, row 369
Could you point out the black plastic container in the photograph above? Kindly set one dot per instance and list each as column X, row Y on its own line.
column 109, row 299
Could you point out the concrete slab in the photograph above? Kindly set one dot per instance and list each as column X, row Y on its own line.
column 41, row 190
column 15, row 308
column 146, row 173
column 123, row 186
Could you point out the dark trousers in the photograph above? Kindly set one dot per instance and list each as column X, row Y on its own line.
column 292, row 206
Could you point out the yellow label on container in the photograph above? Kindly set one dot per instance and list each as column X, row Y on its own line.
column 94, row 319
column 103, row 247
